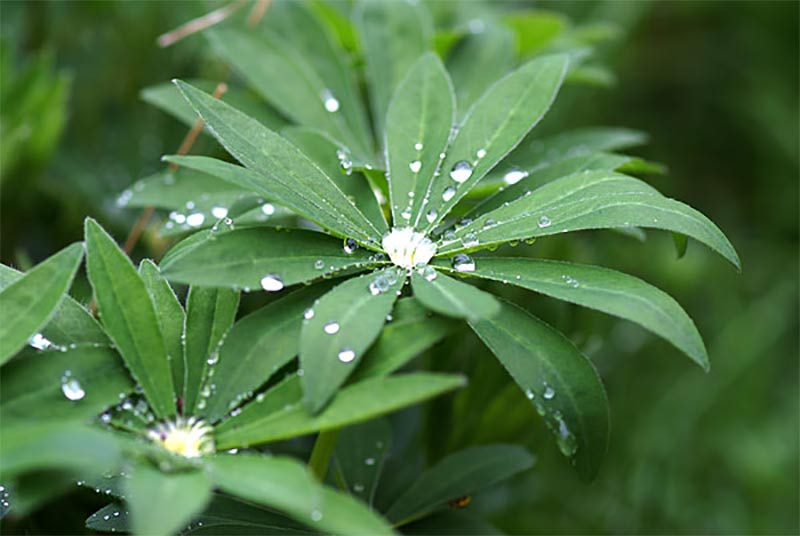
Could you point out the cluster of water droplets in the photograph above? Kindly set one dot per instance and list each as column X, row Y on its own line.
column 383, row 281
column 565, row 440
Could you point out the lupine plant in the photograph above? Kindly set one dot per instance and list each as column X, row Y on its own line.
column 386, row 212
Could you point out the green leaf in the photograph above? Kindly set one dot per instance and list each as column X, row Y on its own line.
column 70, row 324
column 285, row 394
column 171, row 318
column 592, row 200
column 557, row 378
column 160, row 503
column 681, row 244
column 451, row 297
column 112, row 517
column 30, row 301
column 256, row 347
column 229, row 515
column 344, row 324
column 393, row 35
column 457, row 523
column 279, row 170
column 459, row 474
column 495, row 124
column 477, row 61
column 418, row 124
column 412, row 330
column 361, row 451
column 535, row 29
column 129, row 317
column 606, row 290
column 358, row 402
column 39, row 445
column 173, row 189
column 36, row 385
column 286, row 486
column 210, row 313
column 242, row 258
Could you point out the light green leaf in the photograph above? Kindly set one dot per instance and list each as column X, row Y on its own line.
column 243, row 258
column 418, row 124
column 160, row 503
column 129, row 317
column 37, row 384
column 285, row 485
column 451, row 297
column 477, row 61
column 344, row 324
column 30, row 301
column 535, row 29
column 393, row 35
column 361, row 451
column 495, row 124
column 171, row 318
column 210, row 313
column 606, row 290
column 590, row 200
column 287, row 393
column 461, row 473
column 557, row 378
column 358, row 402
column 412, row 330
column 279, row 170
column 256, row 347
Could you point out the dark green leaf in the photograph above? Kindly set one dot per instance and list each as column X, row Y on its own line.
column 340, row 328
column 173, row 189
column 228, row 515
column 30, row 301
column 452, row 523
column 451, row 297
column 557, row 378
column 129, row 317
column 110, row 518
column 360, row 454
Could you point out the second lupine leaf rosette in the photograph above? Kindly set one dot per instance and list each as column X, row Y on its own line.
column 431, row 164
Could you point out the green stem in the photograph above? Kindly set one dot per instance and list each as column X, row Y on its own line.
column 322, row 452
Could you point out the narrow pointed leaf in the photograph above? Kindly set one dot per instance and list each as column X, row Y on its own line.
column 256, row 347
column 230, row 515
column 162, row 503
column 283, row 172
column 592, row 200
column 451, row 297
column 345, row 323
column 113, row 517
column 30, row 301
column 129, row 317
column 171, row 318
column 606, row 290
column 173, row 189
column 393, row 35
column 559, row 380
column 361, row 451
column 355, row 403
column 285, row 485
column 210, row 313
column 413, row 329
column 418, row 124
column 242, row 258
column 495, row 124
column 461, row 473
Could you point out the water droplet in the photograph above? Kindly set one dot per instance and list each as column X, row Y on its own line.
column 529, row 394
column 347, row 355
column 463, row 263
column 470, row 240
column 72, row 388
column 271, row 283
column 219, row 212
column 461, row 171
column 268, row 209
column 548, row 393
column 429, row 273
column 331, row 327
column 316, row 515
column 358, row 488
column 40, row 342
column 308, row 314
column 350, row 246
column 418, row 146
column 544, row 221
column 177, row 217
column 124, row 198
column 489, row 223
column 379, row 285
column 369, row 461
column 565, row 439
column 331, row 103
column 571, row 281
column 319, row 264
column 448, row 193
column 415, row 166
column 431, row 215
column 406, row 214
column 481, row 153
column 514, row 176
column 196, row 219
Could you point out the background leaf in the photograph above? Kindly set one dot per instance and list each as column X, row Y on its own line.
column 360, row 453
column 450, row 297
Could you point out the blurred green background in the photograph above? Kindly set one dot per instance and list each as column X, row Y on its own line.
column 716, row 86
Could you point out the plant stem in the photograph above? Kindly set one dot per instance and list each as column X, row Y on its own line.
column 322, row 452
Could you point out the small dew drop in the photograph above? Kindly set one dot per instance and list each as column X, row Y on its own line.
column 350, row 246
column 219, row 212
column 429, row 273
column 514, row 176
column 369, row 461
column 544, row 221
column 463, row 263
column 415, row 166
column 418, row 146
column 316, row 515
column 71, row 388
column 358, row 488
column 40, row 342
column 548, row 393
column 331, row 103
column 481, row 153
column 196, row 219
column 308, row 314
column 347, row 355
column 331, row 327
column 319, row 264
column 268, row 209
column 431, row 215
column 448, row 193
column 461, row 171
column 271, row 283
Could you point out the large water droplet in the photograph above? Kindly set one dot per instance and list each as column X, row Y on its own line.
column 350, row 246
column 72, row 388
column 448, row 193
column 347, row 355
column 331, row 327
column 514, row 176
column 429, row 273
column 544, row 221
column 219, row 212
column 565, row 439
column 196, row 219
column 461, row 171
column 271, row 283
column 331, row 103
column 379, row 285
column 40, row 342
column 415, row 166
column 463, row 263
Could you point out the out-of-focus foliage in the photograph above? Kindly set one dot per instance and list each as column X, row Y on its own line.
column 715, row 84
